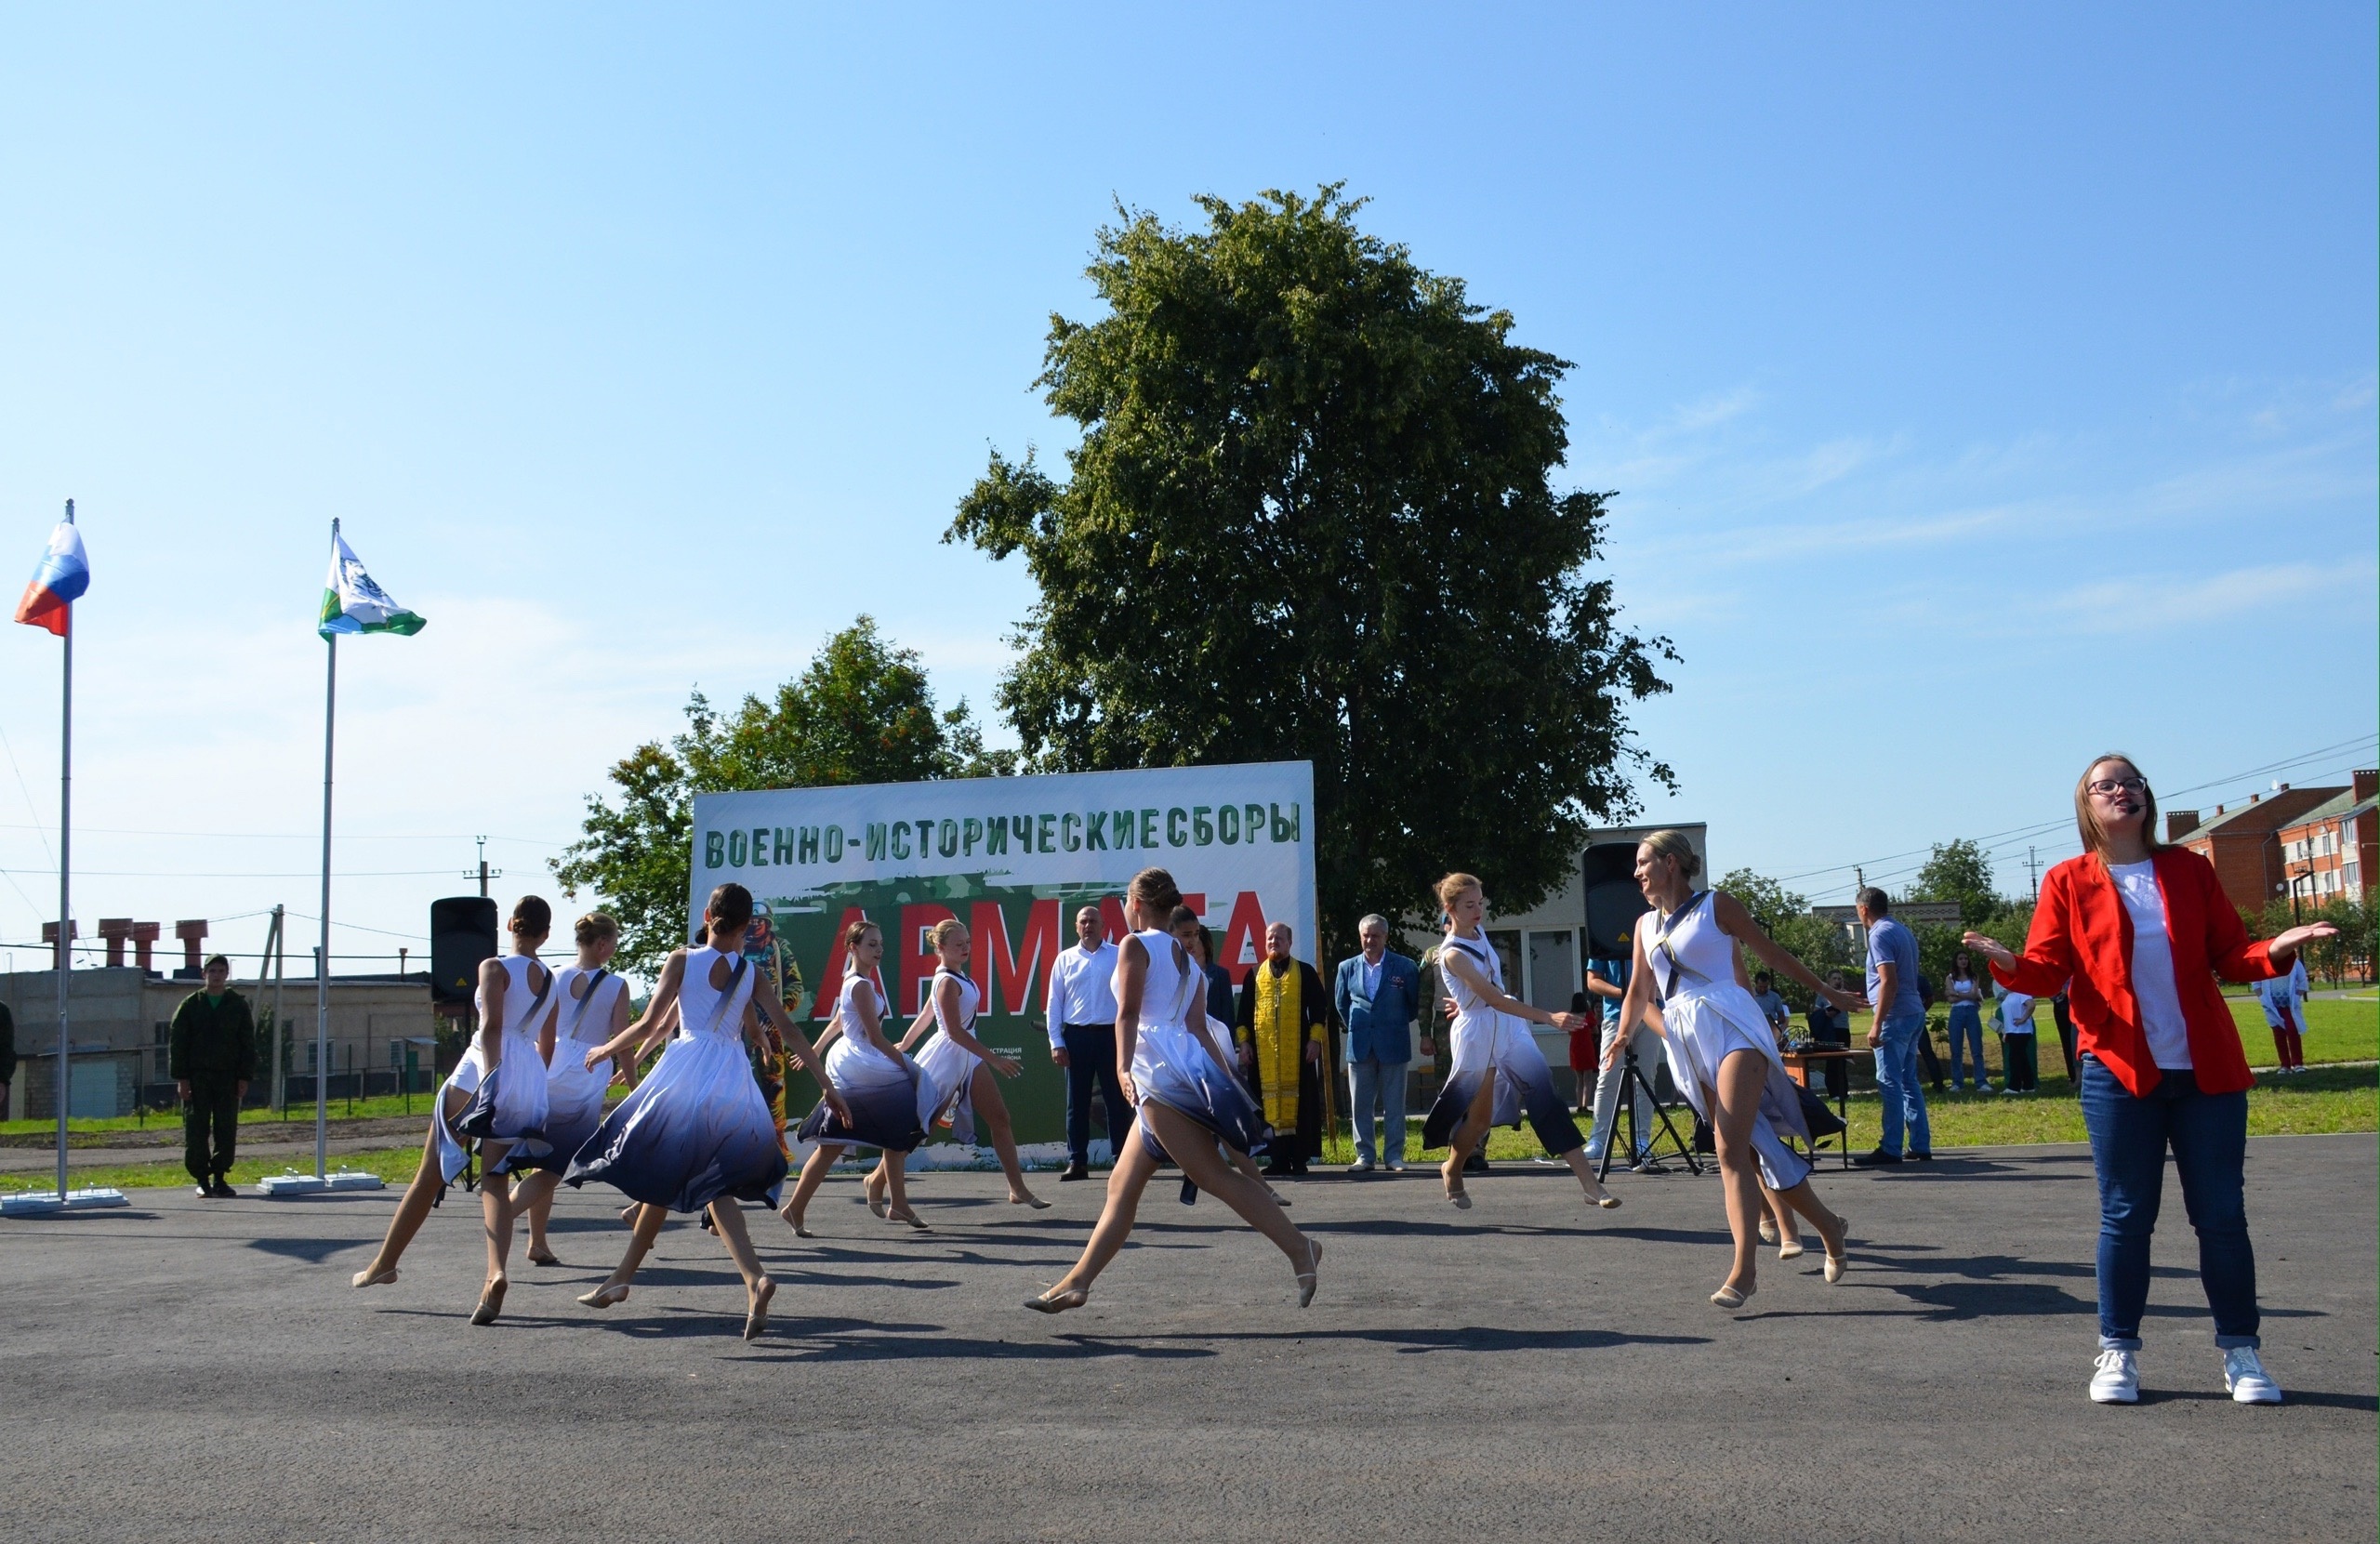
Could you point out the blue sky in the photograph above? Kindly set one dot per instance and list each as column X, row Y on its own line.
column 1979, row 390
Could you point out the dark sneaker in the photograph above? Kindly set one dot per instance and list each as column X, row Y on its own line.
column 223, row 1191
column 1075, row 1170
column 1477, row 1164
column 1878, row 1158
column 1920, row 1157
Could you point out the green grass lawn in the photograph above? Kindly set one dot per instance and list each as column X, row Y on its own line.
column 364, row 1109
column 395, row 1165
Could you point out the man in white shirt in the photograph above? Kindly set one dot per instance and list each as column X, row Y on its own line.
column 2284, row 998
column 1082, row 1039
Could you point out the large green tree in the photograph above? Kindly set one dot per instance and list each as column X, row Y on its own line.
column 1785, row 917
column 863, row 712
column 1310, row 515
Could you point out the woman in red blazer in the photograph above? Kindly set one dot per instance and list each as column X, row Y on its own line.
column 2143, row 930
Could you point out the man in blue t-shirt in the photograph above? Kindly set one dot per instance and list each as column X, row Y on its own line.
column 1900, row 1022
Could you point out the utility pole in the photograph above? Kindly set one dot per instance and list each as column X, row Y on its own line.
column 2033, row 865
column 483, row 841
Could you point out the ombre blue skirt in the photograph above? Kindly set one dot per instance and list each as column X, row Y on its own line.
column 1170, row 1067
column 695, row 1131
column 889, row 1102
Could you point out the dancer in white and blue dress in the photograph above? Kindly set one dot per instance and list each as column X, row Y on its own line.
column 963, row 1072
column 1498, row 1071
column 1721, row 1050
column 1200, row 1018
column 886, row 1098
column 590, row 1007
column 1186, row 1101
column 695, row 1135
column 495, row 1097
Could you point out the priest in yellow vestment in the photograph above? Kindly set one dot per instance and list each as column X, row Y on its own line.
column 1284, row 1034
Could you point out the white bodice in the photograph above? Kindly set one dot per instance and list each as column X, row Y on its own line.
column 700, row 1009
column 586, row 1020
column 1167, row 990
column 1689, row 937
column 519, row 993
column 1471, row 1009
column 971, row 997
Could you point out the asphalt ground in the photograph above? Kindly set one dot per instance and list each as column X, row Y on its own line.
column 1531, row 1368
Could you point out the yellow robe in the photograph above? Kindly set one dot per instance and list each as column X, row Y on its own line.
column 1279, row 1034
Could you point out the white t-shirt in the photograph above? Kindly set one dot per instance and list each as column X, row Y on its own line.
column 2152, row 965
column 2015, row 1014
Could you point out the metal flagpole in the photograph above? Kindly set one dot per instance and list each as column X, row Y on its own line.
column 65, row 871
column 323, row 955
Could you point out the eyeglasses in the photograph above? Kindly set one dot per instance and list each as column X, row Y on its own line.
column 2109, row 784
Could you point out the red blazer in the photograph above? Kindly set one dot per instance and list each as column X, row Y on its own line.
column 2081, row 930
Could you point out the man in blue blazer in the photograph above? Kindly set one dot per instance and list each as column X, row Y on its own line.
column 1379, row 998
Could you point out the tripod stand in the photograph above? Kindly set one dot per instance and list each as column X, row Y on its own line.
column 1633, row 1083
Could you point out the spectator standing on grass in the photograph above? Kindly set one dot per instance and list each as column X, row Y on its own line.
column 1379, row 995
column 7, row 1057
column 2143, row 929
column 1893, row 979
column 212, row 1061
column 1283, row 1032
column 2284, row 1003
column 2063, row 1017
column 1966, row 996
column 2020, row 1067
column 1082, row 1039
column 1772, row 1007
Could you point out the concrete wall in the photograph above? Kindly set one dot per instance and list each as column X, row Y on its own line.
column 122, row 1015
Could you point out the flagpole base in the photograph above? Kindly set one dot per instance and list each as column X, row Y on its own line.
column 44, row 1203
column 277, row 1185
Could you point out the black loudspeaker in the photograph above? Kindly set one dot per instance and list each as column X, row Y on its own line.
column 1613, row 901
column 462, row 938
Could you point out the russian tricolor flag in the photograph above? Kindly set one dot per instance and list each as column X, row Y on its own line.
column 61, row 580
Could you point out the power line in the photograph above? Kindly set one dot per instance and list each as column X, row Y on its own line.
column 1994, row 842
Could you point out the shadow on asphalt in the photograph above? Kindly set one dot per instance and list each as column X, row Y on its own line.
column 313, row 1251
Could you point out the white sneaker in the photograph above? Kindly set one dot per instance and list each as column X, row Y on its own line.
column 2117, row 1381
column 2244, row 1375
column 1361, row 1166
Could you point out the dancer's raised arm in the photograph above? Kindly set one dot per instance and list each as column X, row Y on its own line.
column 1737, row 924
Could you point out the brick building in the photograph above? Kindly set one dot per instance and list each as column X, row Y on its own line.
column 2243, row 840
column 2326, row 853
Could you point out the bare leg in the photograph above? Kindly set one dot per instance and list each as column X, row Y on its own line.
column 496, row 1213
column 896, row 1191
column 1577, row 1159
column 614, row 1288
column 429, row 1180
column 813, row 1174
column 727, row 1216
column 992, row 1111
column 1466, row 1135
column 1789, row 1237
column 1803, row 1198
column 1734, row 1104
column 1247, row 1166
column 1125, row 1182
column 874, row 1186
column 534, row 1199
column 1193, row 1146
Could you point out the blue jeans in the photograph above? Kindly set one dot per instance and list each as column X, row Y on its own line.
column 1966, row 1026
column 2209, row 1136
column 1383, row 1083
column 1902, row 1096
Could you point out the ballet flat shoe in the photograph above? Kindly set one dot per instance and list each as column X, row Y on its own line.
column 1791, row 1249
column 1055, row 1301
column 1727, row 1297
